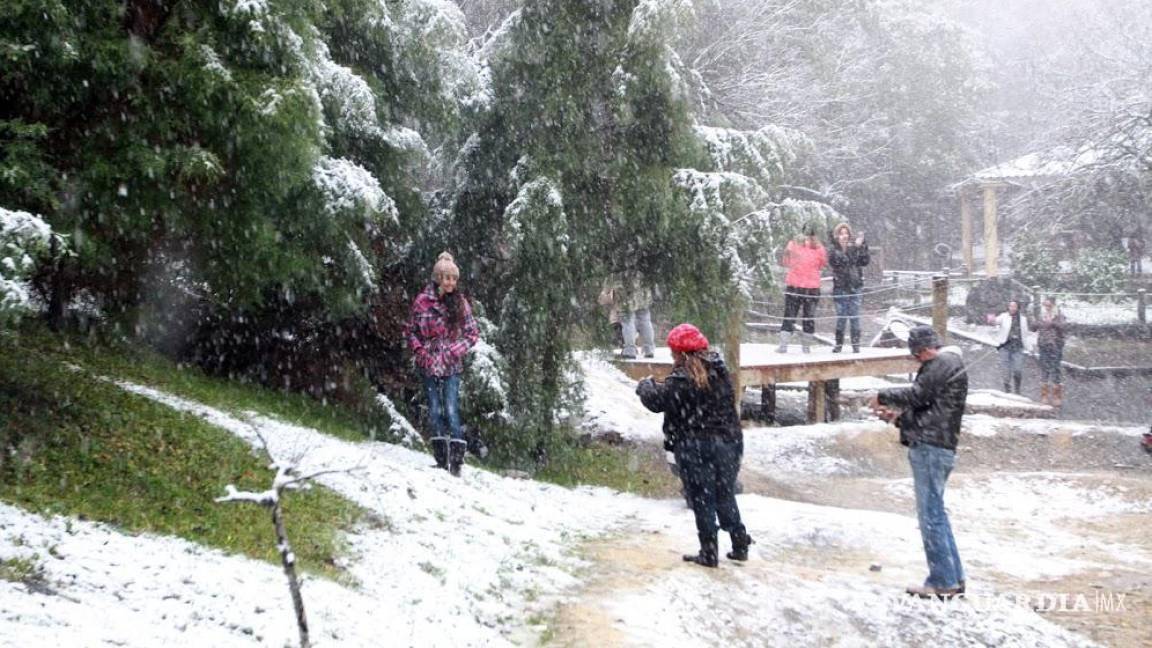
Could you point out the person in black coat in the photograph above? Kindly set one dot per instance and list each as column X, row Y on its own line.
column 702, row 429
column 847, row 255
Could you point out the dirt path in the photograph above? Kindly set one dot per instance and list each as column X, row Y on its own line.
column 1107, row 599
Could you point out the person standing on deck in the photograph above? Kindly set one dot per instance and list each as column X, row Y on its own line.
column 847, row 258
column 804, row 258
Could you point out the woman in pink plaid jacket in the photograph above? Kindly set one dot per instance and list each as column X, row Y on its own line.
column 440, row 332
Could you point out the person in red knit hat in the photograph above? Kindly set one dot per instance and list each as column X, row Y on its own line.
column 702, row 428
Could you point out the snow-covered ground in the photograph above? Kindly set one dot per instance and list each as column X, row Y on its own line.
column 485, row 560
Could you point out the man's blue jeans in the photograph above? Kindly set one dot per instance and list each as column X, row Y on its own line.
column 444, row 405
column 847, row 310
column 931, row 466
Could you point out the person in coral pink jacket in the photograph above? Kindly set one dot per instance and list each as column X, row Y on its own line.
column 804, row 258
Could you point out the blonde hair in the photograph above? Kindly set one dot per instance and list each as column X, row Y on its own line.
column 445, row 267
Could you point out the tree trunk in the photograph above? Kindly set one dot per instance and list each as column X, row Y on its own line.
column 288, row 559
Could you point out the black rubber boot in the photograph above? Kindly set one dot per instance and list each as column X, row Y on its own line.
column 1016, row 382
column 708, row 553
column 839, row 342
column 740, row 542
column 456, row 455
column 440, row 451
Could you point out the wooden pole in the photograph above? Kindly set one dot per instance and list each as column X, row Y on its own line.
column 1036, row 303
column 940, row 307
column 1142, row 306
column 991, row 233
column 732, row 338
column 966, row 231
column 832, row 390
column 816, row 401
column 768, row 402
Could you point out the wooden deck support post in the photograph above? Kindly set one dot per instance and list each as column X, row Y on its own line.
column 768, row 403
column 816, row 401
column 940, row 307
column 966, row 231
column 832, row 391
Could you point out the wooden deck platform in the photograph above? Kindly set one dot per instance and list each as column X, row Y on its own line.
column 761, row 366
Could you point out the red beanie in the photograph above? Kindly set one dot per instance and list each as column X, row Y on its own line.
column 686, row 338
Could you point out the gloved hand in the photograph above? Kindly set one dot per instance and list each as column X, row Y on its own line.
column 669, row 446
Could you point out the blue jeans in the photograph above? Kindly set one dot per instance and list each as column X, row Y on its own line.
column 847, row 311
column 1011, row 368
column 931, row 466
column 444, row 405
column 708, row 469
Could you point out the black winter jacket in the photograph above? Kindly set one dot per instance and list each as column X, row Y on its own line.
column 847, row 276
column 690, row 412
column 934, row 404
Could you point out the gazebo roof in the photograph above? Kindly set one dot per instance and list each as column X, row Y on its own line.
column 1032, row 168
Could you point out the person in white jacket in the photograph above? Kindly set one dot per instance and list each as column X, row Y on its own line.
column 1012, row 339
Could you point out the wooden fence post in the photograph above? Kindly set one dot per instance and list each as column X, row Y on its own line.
column 940, row 307
column 1036, row 303
column 1142, row 306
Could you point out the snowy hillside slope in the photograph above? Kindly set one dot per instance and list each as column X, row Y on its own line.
column 487, row 561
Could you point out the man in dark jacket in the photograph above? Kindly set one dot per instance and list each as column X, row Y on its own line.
column 929, row 424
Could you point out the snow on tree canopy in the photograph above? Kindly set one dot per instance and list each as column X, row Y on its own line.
column 349, row 187
column 346, row 94
column 439, row 27
column 722, row 191
column 536, row 197
column 252, row 7
column 652, row 19
column 22, row 237
column 712, row 197
column 213, row 64
column 485, row 362
column 762, row 154
column 352, row 104
column 398, row 426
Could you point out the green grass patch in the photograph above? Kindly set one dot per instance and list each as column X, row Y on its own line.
column 22, row 570
column 637, row 469
column 79, row 446
column 116, row 358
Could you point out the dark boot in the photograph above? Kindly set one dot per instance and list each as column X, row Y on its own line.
column 855, row 342
column 1016, row 382
column 839, row 342
column 708, row 553
column 740, row 542
column 456, row 455
column 440, row 451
